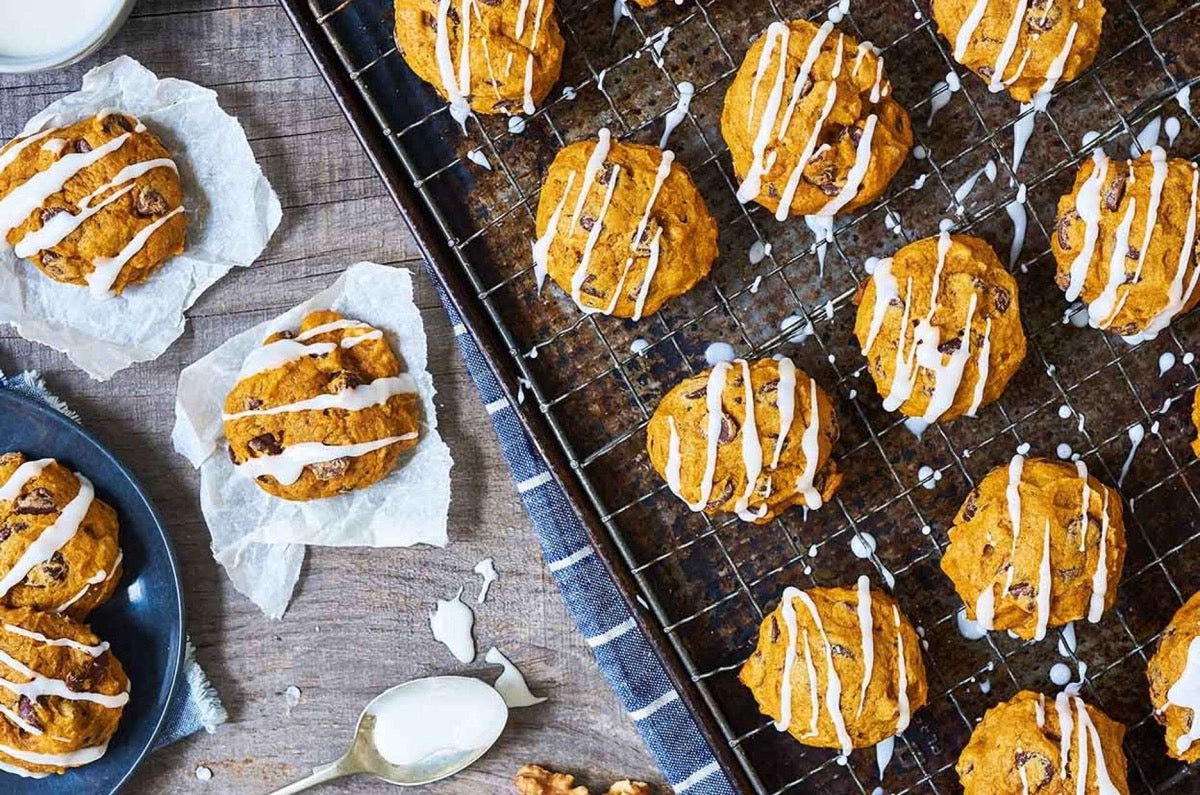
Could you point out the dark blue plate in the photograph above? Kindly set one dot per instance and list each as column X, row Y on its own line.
column 144, row 619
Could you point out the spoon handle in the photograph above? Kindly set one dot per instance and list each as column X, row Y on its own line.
column 320, row 775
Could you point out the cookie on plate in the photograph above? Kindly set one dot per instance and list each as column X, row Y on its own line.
column 1033, row 743
column 322, row 410
column 1037, row 544
column 489, row 56
column 1024, row 46
column 95, row 204
column 940, row 325
column 811, row 123
column 751, row 438
column 1126, row 241
column 850, row 641
column 1174, row 675
column 59, row 550
column 622, row 228
column 65, row 698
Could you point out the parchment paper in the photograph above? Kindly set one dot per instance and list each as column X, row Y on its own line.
column 259, row 538
column 232, row 213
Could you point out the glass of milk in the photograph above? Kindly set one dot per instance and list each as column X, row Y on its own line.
column 38, row 35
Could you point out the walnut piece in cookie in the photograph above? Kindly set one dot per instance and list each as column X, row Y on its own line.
column 1127, row 241
column 80, row 568
column 811, row 123
column 767, row 450
column 535, row 780
column 1024, row 46
column 1037, row 544
column 322, row 410
column 940, row 324
column 489, row 56
column 96, row 204
column 622, row 228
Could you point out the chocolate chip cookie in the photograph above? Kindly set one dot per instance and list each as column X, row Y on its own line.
column 59, row 550
column 97, row 203
column 622, row 228
column 321, row 410
column 811, row 123
column 751, row 438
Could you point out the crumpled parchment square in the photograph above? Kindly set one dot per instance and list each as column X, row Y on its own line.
column 232, row 213
column 260, row 539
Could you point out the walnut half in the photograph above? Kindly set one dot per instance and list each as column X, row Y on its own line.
column 534, row 780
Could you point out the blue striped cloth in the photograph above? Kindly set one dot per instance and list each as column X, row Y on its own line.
column 622, row 650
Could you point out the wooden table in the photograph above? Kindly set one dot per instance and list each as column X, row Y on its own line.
column 359, row 621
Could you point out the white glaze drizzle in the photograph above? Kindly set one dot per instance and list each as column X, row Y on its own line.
column 1104, row 784
column 22, row 200
column 985, row 607
column 9, row 154
column 39, row 686
column 1044, row 587
column 984, row 363
column 286, row 467
column 1100, row 576
column 528, row 105
column 1082, row 470
column 785, row 399
column 284, row 351
column 11, row 488
column 905, row 712
column 581, row 271
column 1176, row 298
column 1062, row 705
column 867, row 635
column 797, row 172
column 99, row 577
column 53, row 538
column 788, row 609
column 833, row 684
column 17, row 720
column 777, row 35
column 60, row 226
column 810, row 445
column 356, row 398
column 89, row 650
column 1012, row 493
column 674, row 459
column 325, row 328
column 457, row 87
column 1087, row 205
column 105, row 270
column 541, row 246
column 752, row 454
column 84, row 756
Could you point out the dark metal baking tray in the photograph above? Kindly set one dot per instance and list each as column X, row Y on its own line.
column 699, row 587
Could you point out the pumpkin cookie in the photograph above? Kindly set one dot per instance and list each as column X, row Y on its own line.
column 1024, row 46
column 811, row 123
column 940, row 325
column 489, row 56
column 97, row 203
column 1056, row 567
column 751, row 438
column 622, row 228
column 321, row 411
column 850, row 641
column 58, row 542
column 1056, row 746
column 1174, row 674
column 65, row 698
column 1126, row 241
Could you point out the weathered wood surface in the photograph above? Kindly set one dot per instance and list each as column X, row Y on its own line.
column 358, row 623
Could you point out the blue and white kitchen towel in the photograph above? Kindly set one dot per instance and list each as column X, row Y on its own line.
column 622, row 650
column 196, row 704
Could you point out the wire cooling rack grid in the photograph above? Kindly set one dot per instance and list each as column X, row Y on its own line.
column 709, row 582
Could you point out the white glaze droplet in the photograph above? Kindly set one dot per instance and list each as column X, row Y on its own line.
column 511, row 683
column 486, row 569
column 451, row 625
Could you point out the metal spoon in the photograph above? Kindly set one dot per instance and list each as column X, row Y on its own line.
column 460, row 702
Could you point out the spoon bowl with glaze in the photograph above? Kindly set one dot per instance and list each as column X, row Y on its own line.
column 418, row 733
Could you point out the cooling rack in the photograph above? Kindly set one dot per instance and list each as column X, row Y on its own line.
column 585, row 386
